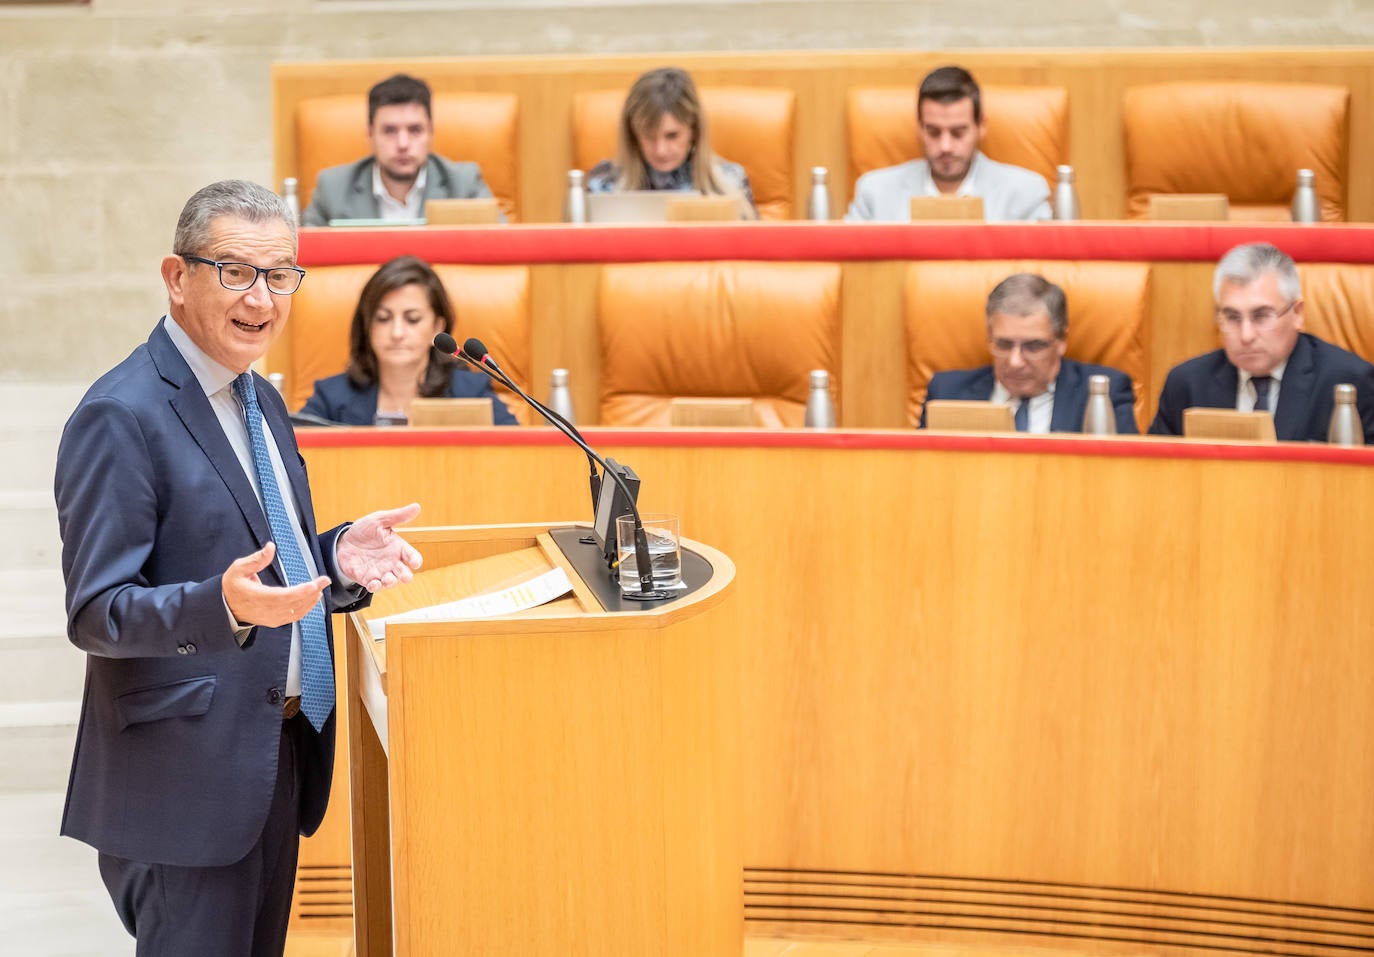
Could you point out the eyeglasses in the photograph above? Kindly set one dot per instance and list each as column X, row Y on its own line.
column 240, row 277
column 1259, row 319
column 1030, row 348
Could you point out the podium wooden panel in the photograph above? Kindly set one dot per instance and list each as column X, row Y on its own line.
column 558, row 781
column 1104, row 695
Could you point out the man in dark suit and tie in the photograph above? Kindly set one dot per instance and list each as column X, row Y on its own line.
column 1028, row 324
column 1266, row 363
column 200, row 591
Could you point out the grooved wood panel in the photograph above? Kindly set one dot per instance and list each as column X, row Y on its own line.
column 1011, row 670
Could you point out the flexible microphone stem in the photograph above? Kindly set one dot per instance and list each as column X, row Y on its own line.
column 476, row 354
column 443, row 341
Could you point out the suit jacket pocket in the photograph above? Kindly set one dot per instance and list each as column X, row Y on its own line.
column 179, row 699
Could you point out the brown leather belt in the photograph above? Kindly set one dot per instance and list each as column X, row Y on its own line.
column 291, row 707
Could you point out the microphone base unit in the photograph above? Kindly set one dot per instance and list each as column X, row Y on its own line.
column 611, row 503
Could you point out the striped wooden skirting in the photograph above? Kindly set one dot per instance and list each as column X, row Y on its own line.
column 1041, row 914
column 324, row 897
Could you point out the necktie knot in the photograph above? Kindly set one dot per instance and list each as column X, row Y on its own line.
column 1262, row 384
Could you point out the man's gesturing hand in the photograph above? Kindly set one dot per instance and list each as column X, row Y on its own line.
column 253, row 603
column 373, row 555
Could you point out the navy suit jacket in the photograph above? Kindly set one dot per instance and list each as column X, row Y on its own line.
column 1070, row 393
column 176, row 751
column 339, row 400
column 1306, row 394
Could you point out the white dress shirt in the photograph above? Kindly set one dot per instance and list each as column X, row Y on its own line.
column 1245, row 389
column 394, row 210
column 1041, row 407
column 218, row 383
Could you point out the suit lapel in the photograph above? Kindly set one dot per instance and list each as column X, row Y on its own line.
column 1067, row 388
column 193, row 408
column 1295, row 391
column 981, row 383
column 1221, row 385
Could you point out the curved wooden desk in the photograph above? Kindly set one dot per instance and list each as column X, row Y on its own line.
column 1109, row 695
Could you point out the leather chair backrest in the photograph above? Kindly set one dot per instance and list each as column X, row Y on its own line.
column 1026, row 126
column 1247, row 140
column 745, row 329
column 481, row 128
column 1338, row 302
column 943, row 306
column 490, row 302
column 751, row 126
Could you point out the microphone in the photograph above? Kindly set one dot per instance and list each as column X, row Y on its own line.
column 448, row 345
column 475, row 353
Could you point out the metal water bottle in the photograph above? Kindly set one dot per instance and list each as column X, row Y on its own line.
column 820, row 410
column 818, row 204
column 292, row 199
column 278, row 381
column 1099, row 418
column 1065, row 203
column 1345, row 428
column 1306, row 209
column 575, row 205
column 560, row 396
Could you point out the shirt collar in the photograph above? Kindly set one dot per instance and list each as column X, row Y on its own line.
column 1276, row 374
column 1000, row 393
column 379, row 191
column 210, row 374
column 968, row 187
column 679, row 178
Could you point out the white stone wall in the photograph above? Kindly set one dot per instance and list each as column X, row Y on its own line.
column 111, row 114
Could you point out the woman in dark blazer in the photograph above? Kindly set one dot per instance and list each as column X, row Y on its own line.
column 391, row 359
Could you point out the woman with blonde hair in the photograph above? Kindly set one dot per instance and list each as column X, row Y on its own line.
column 663, row 144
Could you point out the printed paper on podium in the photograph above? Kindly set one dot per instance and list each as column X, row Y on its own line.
column 536, row 591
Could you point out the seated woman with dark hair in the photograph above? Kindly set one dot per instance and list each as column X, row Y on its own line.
column 391, row 358
column 663, row 144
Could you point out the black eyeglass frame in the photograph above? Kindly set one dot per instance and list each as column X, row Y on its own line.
column 257, row 271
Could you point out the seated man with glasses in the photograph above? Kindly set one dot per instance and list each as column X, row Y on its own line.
column 1266, row 363
column 1028, row 321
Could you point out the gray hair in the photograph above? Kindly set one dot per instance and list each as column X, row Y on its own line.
column 1244, row 264
column 1025, row 294
column 236, row 198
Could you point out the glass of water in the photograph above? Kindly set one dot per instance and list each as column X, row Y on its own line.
column 665, row 550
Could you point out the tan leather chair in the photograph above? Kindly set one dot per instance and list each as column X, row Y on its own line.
column 490, row 302
column 741, row 329
column 1338, row 302
column 943, row 307
column 481, row 128
column 1247, row 140
column 1027, row 126
column 751, row 126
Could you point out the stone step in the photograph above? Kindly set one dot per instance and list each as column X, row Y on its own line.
column 45, row 669
column 35, row 757
column 30, row 520
column 28, row 441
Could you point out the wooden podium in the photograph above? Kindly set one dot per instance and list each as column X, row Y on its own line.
column 563, row 780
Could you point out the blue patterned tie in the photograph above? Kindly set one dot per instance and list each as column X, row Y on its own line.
column 317, row 670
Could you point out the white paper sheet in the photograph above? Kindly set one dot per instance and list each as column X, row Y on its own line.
column 528, row 594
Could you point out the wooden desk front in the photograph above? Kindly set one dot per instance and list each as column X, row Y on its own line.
column 565, row 269
column 1069, row 690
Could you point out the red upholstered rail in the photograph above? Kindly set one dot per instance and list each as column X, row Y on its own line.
column 1140, row 447
column 834, row 242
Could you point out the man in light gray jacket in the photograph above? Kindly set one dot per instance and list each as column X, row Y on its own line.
column 395, row 182
column 949, row 118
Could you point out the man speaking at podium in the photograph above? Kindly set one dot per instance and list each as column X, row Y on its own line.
column 200, row 591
